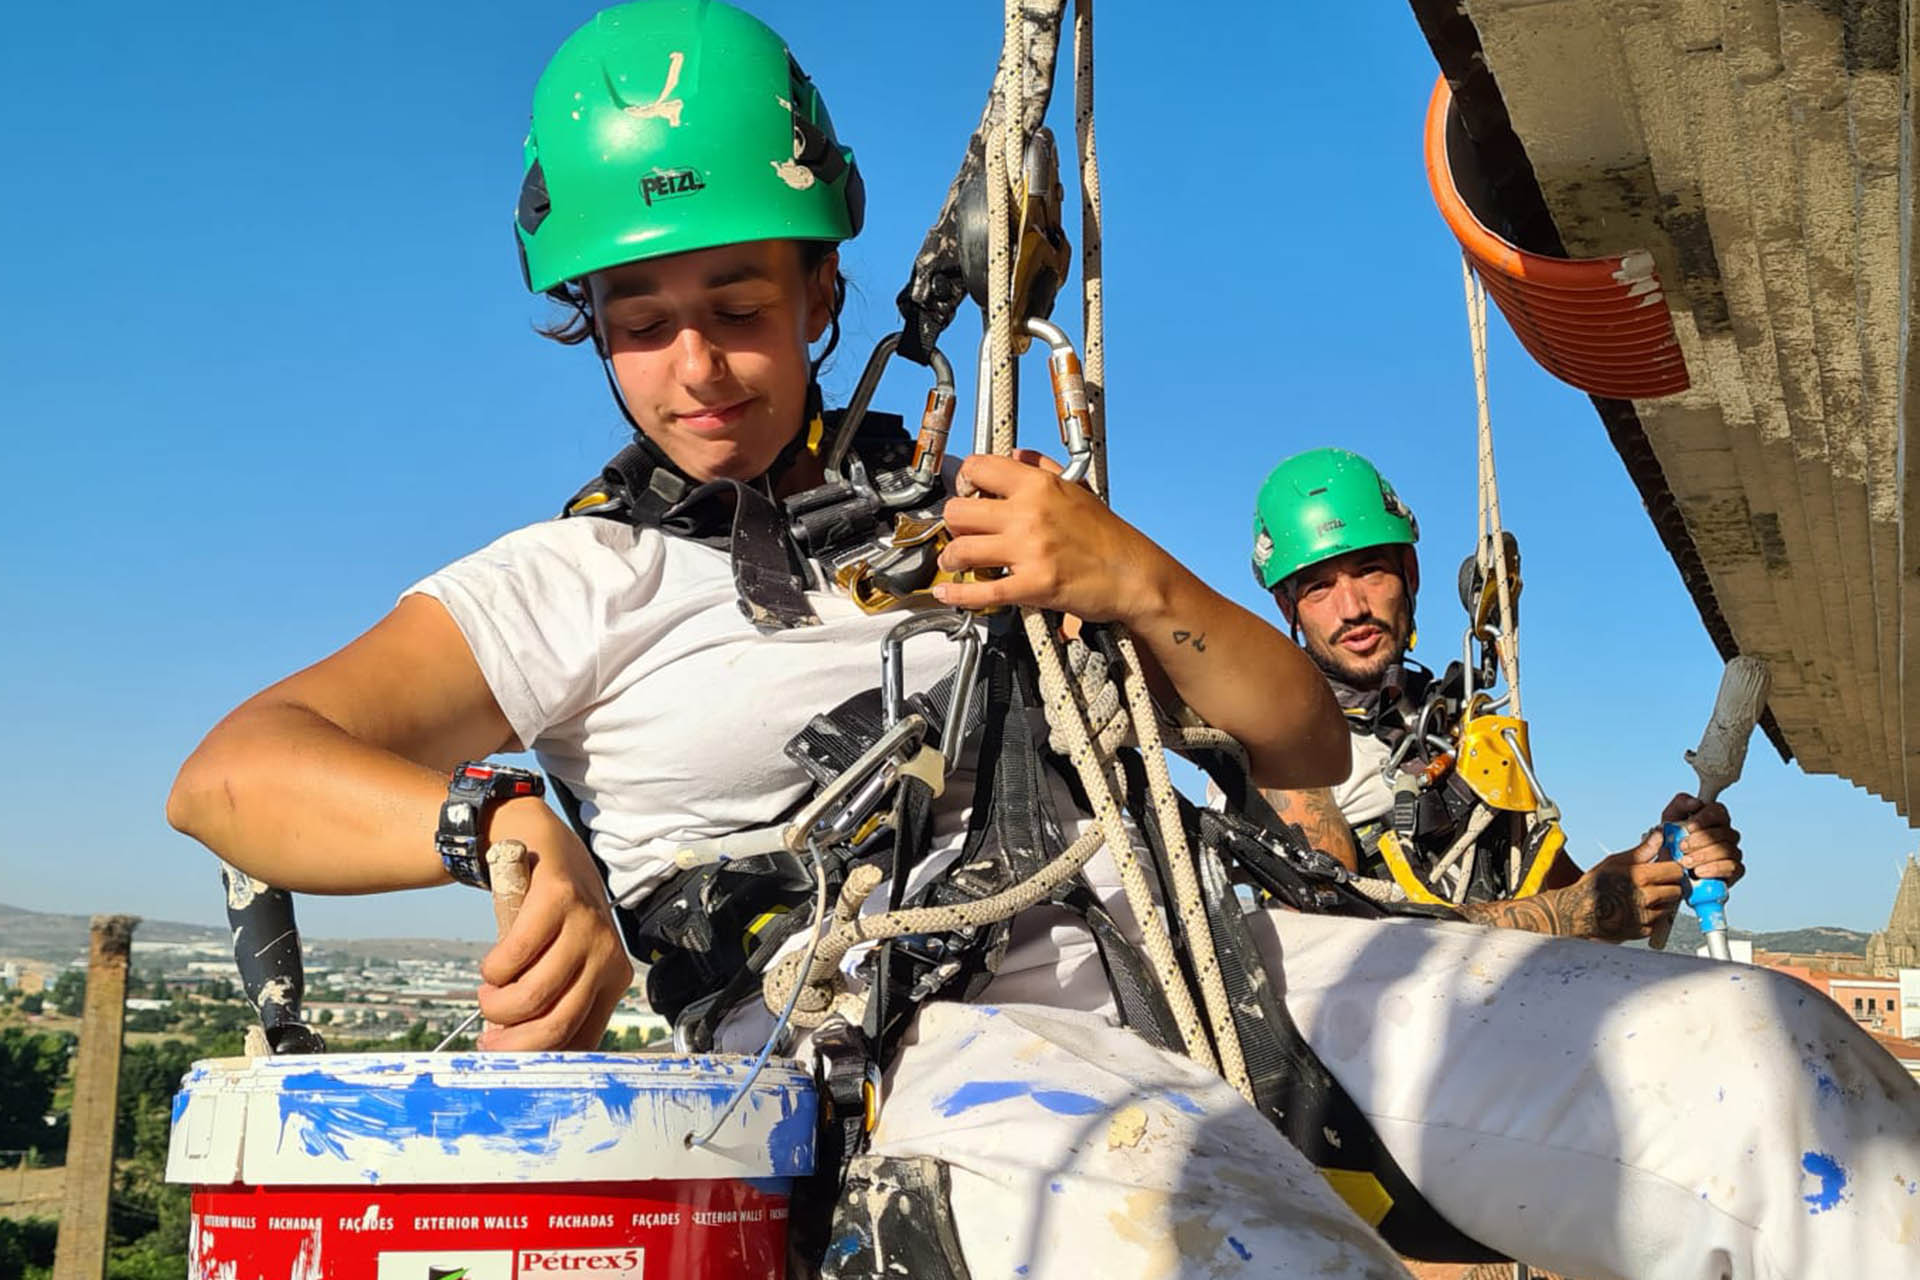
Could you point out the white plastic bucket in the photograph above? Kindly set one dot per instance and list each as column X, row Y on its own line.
column 488, row 1166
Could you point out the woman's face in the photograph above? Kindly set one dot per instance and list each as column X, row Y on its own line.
column 710, row 350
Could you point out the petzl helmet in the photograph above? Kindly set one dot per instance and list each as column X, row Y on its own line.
column 1320, row 504
column 670, row 125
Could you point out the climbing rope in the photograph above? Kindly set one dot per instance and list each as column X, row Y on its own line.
column 1490, row 553
column 1087, row 718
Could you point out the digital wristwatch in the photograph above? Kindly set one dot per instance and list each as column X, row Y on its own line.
column 476, row 787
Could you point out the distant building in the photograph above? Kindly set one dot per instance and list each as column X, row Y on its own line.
column 1898, row 945
column 1873, row 1002
column 1905, row 1052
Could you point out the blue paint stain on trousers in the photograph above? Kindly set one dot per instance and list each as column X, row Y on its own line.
column 1833, row 1180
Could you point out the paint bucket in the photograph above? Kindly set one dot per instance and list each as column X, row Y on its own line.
column 488, row 1166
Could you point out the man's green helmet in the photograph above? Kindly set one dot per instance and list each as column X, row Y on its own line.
column 1320, row 504
column 670, row 125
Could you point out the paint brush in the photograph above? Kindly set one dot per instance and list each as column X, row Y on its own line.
column 507, row 876
column 1717, row 762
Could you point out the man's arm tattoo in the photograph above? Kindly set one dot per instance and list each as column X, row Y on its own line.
column 1198, row 639
column 1320, row 819
column 1601, row 906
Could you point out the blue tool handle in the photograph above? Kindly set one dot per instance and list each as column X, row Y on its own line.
column 1708, row 898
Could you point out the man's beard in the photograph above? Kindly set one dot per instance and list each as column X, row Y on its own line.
column 1359, row 673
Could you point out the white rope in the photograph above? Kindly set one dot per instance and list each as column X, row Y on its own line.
column 1086, row 720
column 1490, row 554
column 1093, row 338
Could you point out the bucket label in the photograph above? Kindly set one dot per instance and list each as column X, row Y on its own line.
column 605, row 1264
column 707, row 1230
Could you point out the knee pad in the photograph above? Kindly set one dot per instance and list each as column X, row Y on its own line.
column 894, row 1218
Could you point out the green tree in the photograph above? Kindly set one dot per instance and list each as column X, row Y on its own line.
column 32, row 1003
column 26, row 1247
column 32, row 1065
column 70, row 991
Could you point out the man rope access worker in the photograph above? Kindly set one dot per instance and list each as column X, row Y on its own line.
column 1334, row 544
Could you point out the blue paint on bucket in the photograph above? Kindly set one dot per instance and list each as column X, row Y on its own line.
column 1065, row 1103
column 1833, row 1180
column 1186, row 1104
column 790, row 1150
column 407, row 1117
column 1246, row 1254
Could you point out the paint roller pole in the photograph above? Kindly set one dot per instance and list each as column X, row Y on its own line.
column 1717, row 762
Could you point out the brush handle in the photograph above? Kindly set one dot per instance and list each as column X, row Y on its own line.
column 507, row 873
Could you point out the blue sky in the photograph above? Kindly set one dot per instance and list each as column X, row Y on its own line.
column 268, row 361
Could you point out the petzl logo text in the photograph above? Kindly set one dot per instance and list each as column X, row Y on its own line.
column 601, row 1264
column 667, row 184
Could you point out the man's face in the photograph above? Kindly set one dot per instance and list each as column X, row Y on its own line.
column 1354, row 613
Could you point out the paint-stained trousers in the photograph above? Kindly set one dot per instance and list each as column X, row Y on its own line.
column 1604, row 1112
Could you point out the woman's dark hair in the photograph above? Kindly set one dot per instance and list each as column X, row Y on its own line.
column 576, row 325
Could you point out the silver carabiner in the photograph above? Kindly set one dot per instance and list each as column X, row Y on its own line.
column 1069, row 398
column 843, row 804
column 959, row 627
column 930, row 449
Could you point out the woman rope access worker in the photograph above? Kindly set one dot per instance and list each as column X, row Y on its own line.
column 620, row 655
column 683, row 195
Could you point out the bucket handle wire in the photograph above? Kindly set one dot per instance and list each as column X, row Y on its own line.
column 779, row 1030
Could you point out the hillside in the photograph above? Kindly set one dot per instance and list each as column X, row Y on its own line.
column 51, row 938
column 1686, row 938
column 48, row 938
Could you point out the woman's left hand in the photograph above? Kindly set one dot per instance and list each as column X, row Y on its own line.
column 1061, row 547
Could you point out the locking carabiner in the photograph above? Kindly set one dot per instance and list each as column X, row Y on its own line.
column 929, row 449
column 1069, row 397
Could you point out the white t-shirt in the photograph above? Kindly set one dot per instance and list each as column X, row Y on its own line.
column 621, row 659
column 1365, row 796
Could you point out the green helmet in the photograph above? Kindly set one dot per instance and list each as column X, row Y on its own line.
column 1320, row 504
column 670, row 125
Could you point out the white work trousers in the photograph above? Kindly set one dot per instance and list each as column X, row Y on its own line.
column 1600, row 1111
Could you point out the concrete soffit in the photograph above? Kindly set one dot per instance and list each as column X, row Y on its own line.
column 1760, row 151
